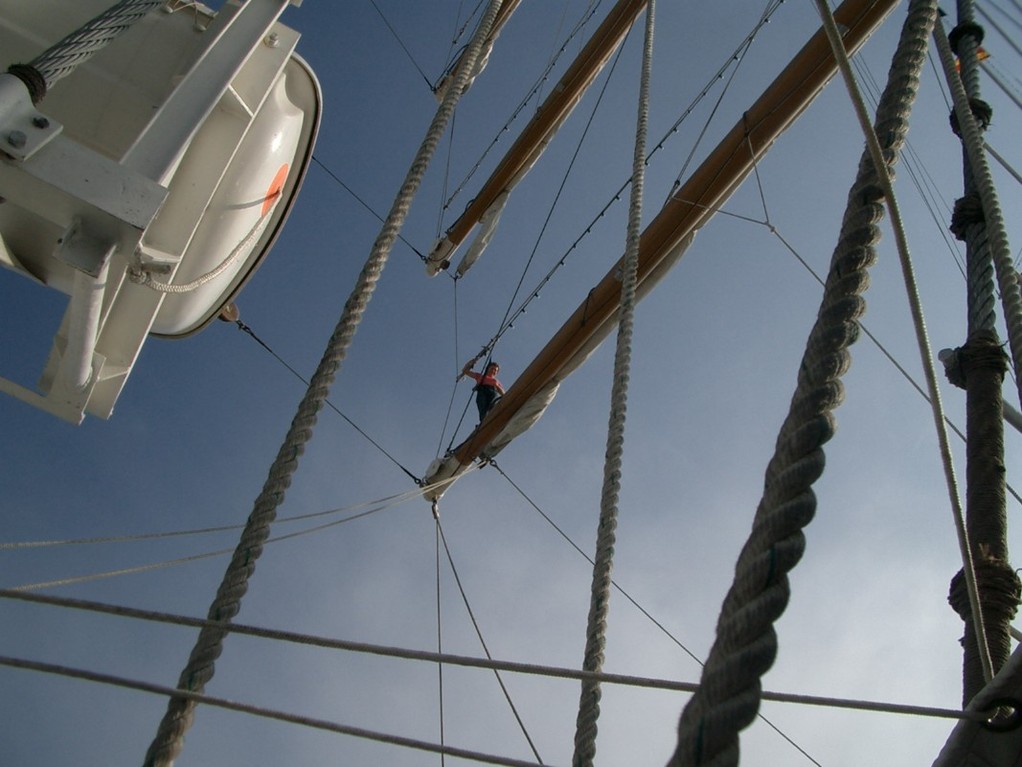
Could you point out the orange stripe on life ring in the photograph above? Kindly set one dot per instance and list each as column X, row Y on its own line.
column 273, row 191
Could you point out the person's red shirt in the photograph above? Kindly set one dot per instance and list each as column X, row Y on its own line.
column 486, row 379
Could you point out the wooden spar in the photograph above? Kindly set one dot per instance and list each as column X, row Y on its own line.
column 706, row 189
column 548, row 118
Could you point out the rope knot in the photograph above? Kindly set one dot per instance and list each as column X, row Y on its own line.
column 981, row 110
column 982, row 351
column 998, row 584
column 954, row 37
column 968, row 211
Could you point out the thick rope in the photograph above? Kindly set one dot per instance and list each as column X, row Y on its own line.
column 746, row 644
column 925, row 352
column 62, row 58
column 972, row 140
column 199, row 669
column 589, row 700
column 635, row 603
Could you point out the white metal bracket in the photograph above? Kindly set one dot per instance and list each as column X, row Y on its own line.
column 24, row 130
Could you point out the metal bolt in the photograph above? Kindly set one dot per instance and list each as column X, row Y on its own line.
column 40, row 122
column 16, row 139
column 272, row 40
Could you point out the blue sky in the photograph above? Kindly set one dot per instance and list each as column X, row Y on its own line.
column 717, row 350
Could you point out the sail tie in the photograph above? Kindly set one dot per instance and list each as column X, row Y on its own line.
column 169, row 738
column 746, row 644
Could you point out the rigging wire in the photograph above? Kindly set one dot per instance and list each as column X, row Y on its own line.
column 557, row 36
column 1001, row 30
column 553, row 672
column 454, row 389
column 737, row 59
column 459, row 32
column 248, row 331
column 439, row 635
column 404, row 47
column 447, row 178
column 208, row 555
column 562, row 260
column 635, row 603
column 441, row 538
column 391, row 500
column 266, row 713
column 449, row 61
column 521, row 105
column 564, row 179
column 929, row 190
column 364, row 204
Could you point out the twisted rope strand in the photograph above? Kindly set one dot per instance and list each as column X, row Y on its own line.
column 589, row 700
column 199, row 669
column 746, row 645
column 62, row 58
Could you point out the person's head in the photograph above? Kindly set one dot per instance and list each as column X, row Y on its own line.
column 492, row 369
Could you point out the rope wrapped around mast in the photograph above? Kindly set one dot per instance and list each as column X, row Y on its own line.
column 199, row 670
column 731, row 688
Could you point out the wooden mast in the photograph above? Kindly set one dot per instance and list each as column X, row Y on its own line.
column 689, row 208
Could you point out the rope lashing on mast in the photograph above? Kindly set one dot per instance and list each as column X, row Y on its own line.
column 596, row 631
column 999, row 584
column 988, row 257
column 981, row 111
column 746, row 644
column 62, row 58
column 967, row 212
column 227, row 603
column 972, row 140
column 979, row 367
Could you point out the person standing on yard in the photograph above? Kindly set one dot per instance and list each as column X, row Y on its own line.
column 488, row 389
